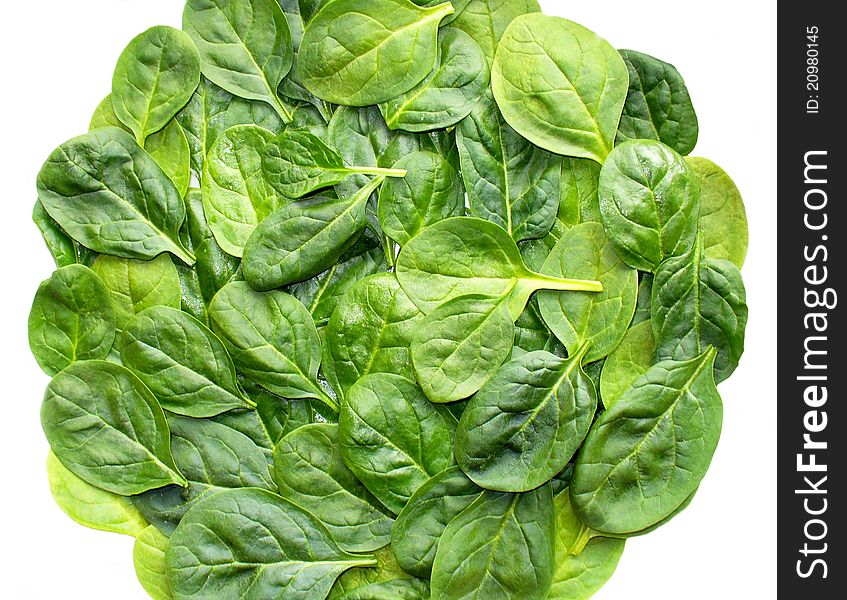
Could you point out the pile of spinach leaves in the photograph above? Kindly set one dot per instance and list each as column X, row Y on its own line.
column 384, row 299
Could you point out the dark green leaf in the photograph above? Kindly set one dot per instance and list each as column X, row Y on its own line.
column 646, row 455
column 72, row 318
column 658, row 106
column 525, row 425
column 110, row 195
column 310, row 472
column 392, row 437
column 290, row 554
column 499, row 548
column 107, row 428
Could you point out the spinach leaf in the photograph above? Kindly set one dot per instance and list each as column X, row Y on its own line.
column 460, row 344
column 135, row 285
column 272, row 340
column 297, row 163
column 645, row 455
column 466, row 255
column 578, row 200
column 215, row 456
column 62, row 248
column 370, row 332
column 583, row 563
column 89, row 505
column 169, row 148
column 510, row 182
column 500, row 547
column 290, row 555
column 630, row 360
column 155, row 77
column 649, row 203
column 430, row 192
column 448, row 94
column 211, row 111
column 598, row 319
column 421, row 523
column 107, row 428
column 361, row 54
column 110, row 195
column 297, row 241
column 486, row 20
column 310, row 472
column 560, row 85
column 699, row 302
column 392, row 437
column 322, row 293
column 723, row 219
column 72, row 318
column 658, row 106
column 148, row 557
column 245, row 47
column 183, row 363
column 525, row 425
column 236, row 195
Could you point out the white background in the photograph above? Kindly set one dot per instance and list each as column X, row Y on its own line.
column 58, row 58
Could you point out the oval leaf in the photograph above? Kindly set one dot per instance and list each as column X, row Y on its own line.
column 236, row 196
column 271, row 338
column 499, row 548
column 392, row 437
column 72, row 318
column 699, row 302
column 560, row 86
column 649, row 203
column 510, row 182
column 370, row 332
column 155, row 77
column 107, row 428
column 294, row 556
column 723, row 218
column 658, row 106
column 361, row 54
column 245, row 46
column 430, row 192
column 460, row 345
column 299, row 240
column 599, row 319
column 111, row 196
column 183, row 363
column 527, row 422
column 646, row 455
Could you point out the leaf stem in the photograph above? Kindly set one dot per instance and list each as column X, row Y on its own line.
column 545, row 282
column 380, row 171
column 282, row 109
